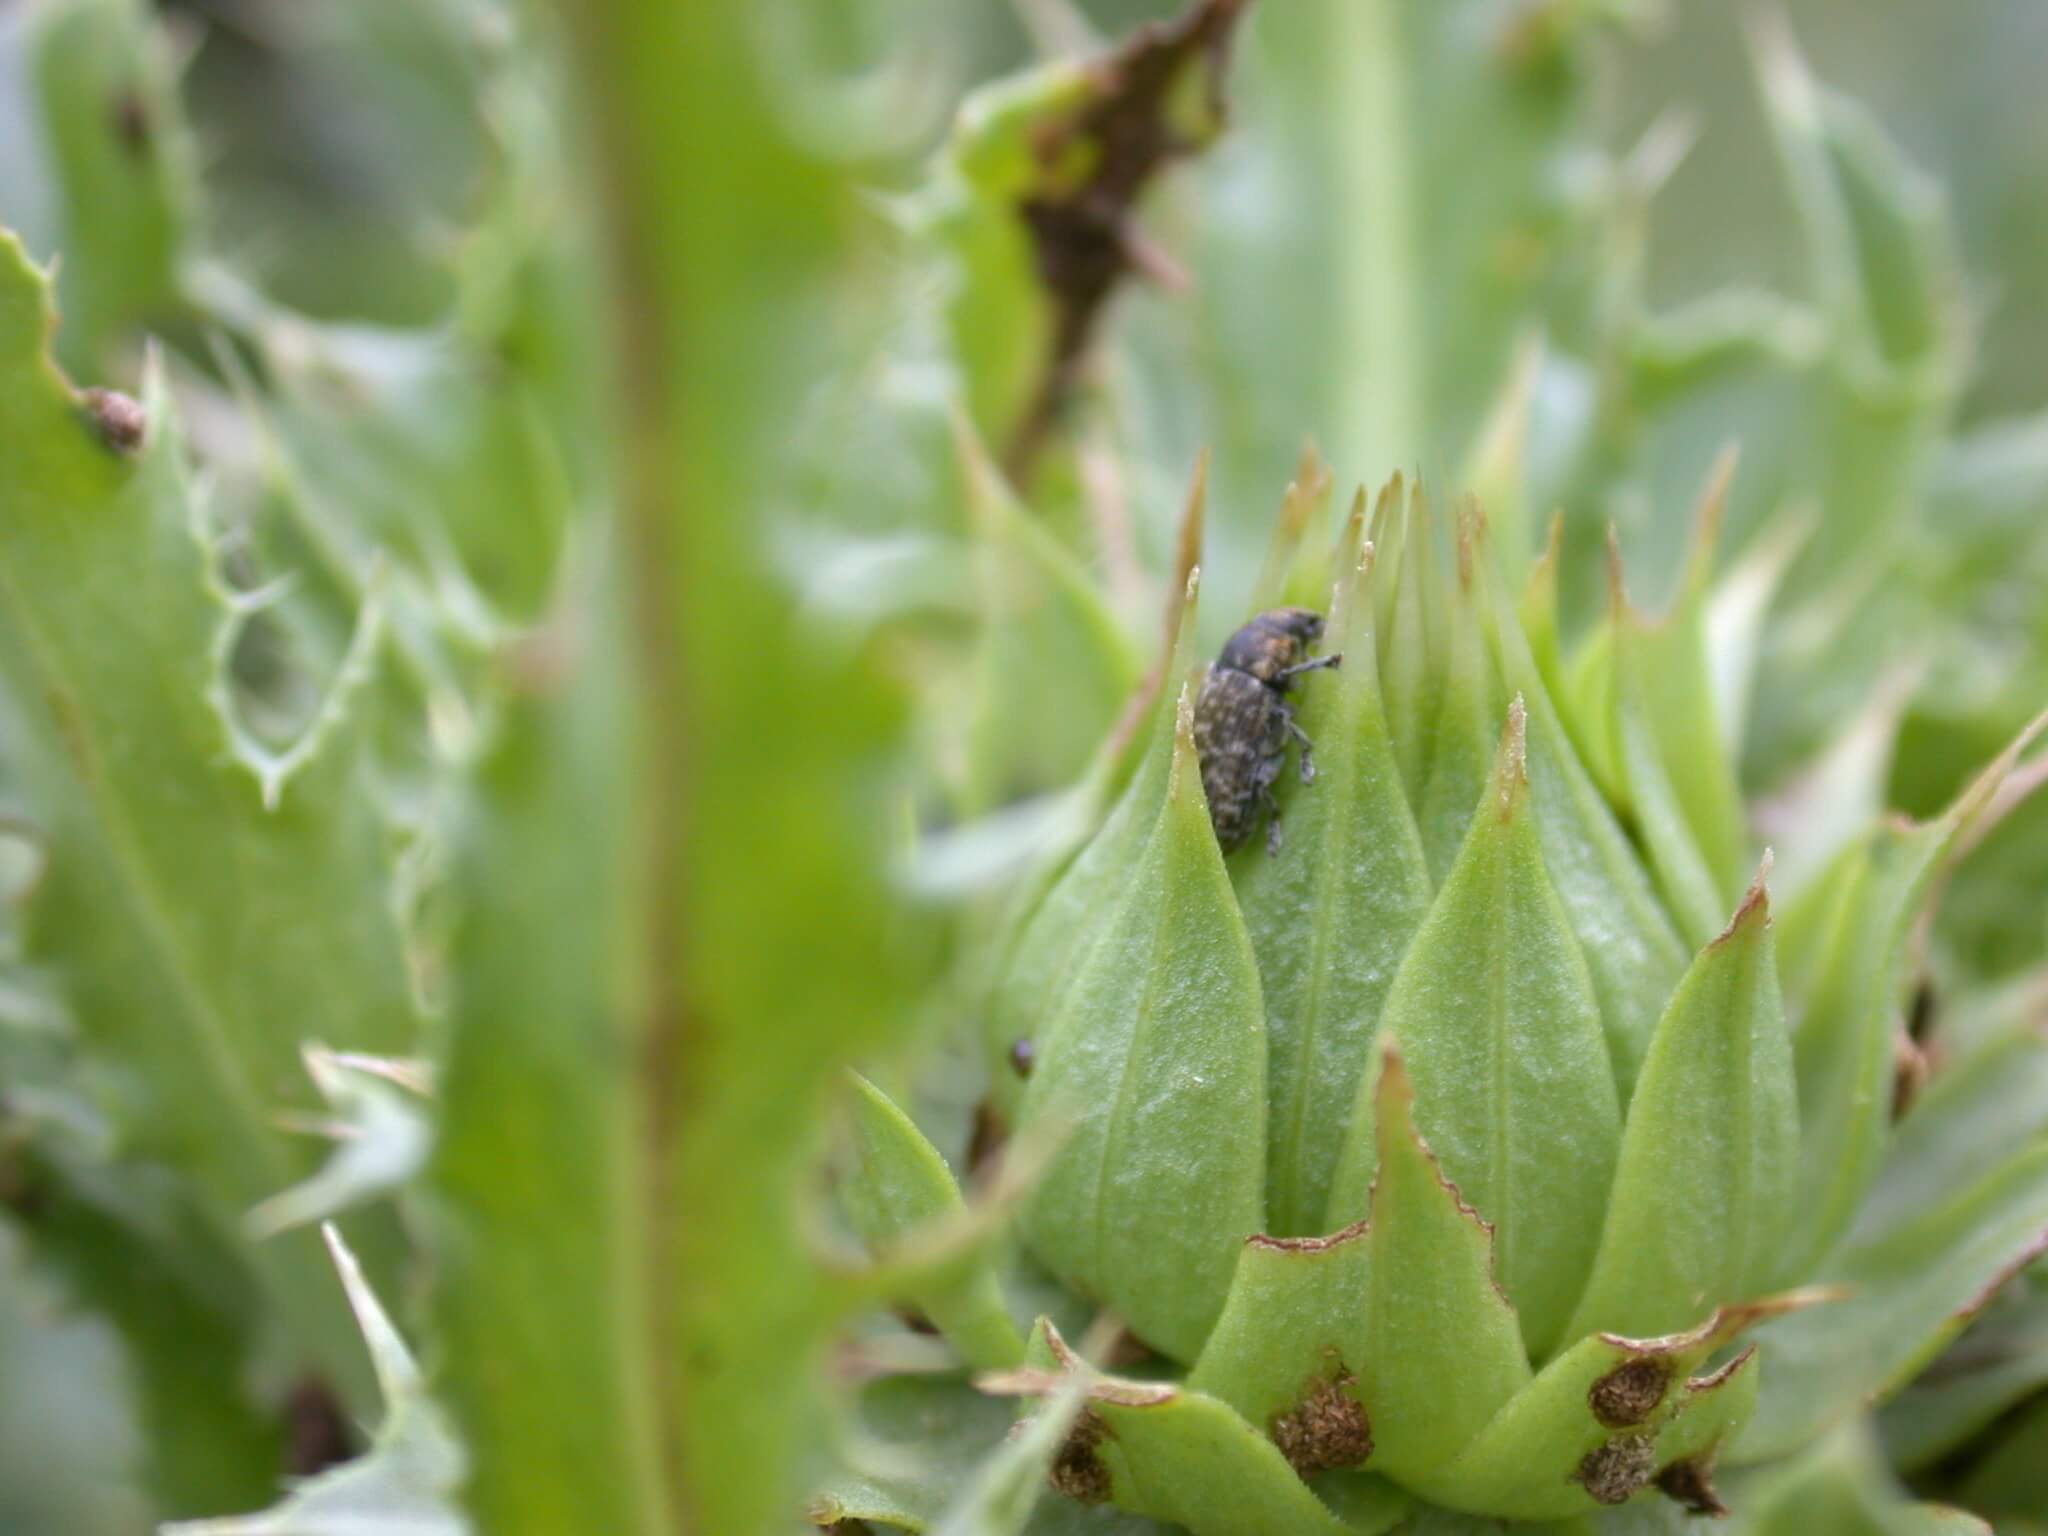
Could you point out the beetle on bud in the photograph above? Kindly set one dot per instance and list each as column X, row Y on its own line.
column 1243, row 723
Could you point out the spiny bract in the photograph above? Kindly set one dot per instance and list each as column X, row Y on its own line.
column 1495, row 1147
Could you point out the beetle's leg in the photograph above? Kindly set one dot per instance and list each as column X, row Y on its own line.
column 1308, row 762
column 1313, row 664
column 1272, row 820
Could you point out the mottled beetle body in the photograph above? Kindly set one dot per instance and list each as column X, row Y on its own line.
column 1243, row 722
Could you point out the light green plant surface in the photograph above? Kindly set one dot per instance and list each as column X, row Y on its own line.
column 576, row 726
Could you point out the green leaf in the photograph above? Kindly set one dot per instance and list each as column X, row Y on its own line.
column 1888, row 286
column 71, row 1452
column 124, row 168
column 1973, row 1115
column 1154, row 1071
column 1496, row 1019
column 1496, row 470
column 913, row 1445
column 1679, row 777
column 1409, row 167
column 1590, row 1428
column 1294, row 1328
column 405, row 1481
column 1052, row 669
column 753, row 829
column 1842, row 1487
column 1703, row 1188
column 1054, row 939
column 1463, row 753
column 898, row 1186
column 1010, row 1484
column 379, row 1122
column 2010, row 1480
column 2000, row 1360
column 1330, row 916
column 198, row 949
column 1736, row 617
column 1294, row 572
column 1906, row 1295
column 1849, row 1013
column 1630, row 947
column 132, row 1246
column 1408, row 589
column 432, row 445
column 1443, row 1348
column 541, row 1292
column 1171, row 1454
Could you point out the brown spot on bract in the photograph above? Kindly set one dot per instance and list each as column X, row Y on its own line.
column 1690, row 1483
column 1327, row 1429
column 1630, row 1392
column 116, row 418
column 1612, row 1472
column 1077, row 1471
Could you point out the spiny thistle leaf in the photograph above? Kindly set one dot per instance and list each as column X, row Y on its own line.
column 404, row 1485
column 381, row 1127
column 533, row 1132
column 123, row 171
column 176, row 966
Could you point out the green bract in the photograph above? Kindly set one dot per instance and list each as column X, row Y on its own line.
column 580, row 597
column 1426, row 1214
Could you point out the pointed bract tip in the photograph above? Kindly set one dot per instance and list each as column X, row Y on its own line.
column 1780, row 67
column 1193, row 513
column 1471, row 518
column 1390, row 495
column 1983, row 789
column 1511, row 773
column 1617, row 584
column 1708, row 515
column 1187, row 773
column 1755, row 907
column 1393, row 1069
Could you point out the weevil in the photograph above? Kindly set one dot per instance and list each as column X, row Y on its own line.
column 1243, row 723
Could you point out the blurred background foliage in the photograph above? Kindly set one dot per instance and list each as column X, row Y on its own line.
column 363, row 236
